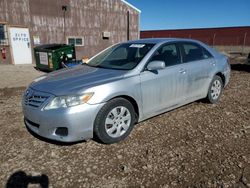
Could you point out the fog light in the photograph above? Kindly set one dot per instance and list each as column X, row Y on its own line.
column 62, row 131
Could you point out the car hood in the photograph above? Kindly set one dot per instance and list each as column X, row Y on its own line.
column 75, row 80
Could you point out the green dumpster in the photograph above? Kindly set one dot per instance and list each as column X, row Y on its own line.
column 248, row 58
column 51, row 57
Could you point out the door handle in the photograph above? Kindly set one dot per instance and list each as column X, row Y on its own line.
column 182, row 71
column 212, row 63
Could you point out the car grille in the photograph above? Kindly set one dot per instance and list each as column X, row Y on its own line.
column 34, row 98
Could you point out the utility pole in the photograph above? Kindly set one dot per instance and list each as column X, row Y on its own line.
column 64, row 9
column 128, row 26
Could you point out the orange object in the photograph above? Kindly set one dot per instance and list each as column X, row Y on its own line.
column 85, row 59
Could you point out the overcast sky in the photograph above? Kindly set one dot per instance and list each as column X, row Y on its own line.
column 181, row 14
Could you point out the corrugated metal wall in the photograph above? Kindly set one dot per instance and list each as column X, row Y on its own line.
column 234, row 36
column 83, row 18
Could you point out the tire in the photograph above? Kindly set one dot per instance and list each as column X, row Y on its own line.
column 114, row 121
column 215, row 90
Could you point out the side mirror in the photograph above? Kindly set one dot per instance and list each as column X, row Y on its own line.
column 156, row 65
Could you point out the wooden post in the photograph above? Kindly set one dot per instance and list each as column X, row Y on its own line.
column 214, row 39
column 244, row 43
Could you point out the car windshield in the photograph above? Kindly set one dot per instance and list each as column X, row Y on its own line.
column 122, row 56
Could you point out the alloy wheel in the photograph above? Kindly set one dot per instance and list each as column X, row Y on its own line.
column 216, row 89
column 117, row 121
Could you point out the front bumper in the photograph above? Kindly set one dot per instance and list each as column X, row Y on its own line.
column 78, row 120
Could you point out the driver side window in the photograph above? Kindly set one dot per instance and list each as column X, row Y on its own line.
column 169, row 54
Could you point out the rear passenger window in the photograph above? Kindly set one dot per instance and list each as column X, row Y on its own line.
column 206, row 53
column 167, row 53
column 194, row 52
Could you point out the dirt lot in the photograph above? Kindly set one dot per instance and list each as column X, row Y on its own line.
column 17, row 75
column 198, row 145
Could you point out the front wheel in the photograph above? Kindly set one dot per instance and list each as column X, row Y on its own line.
column 114, row 121
column 215, row 90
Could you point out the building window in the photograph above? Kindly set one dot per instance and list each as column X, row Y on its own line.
column 77, row 41
column 3, row 35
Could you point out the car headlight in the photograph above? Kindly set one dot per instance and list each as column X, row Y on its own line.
column 68, row 101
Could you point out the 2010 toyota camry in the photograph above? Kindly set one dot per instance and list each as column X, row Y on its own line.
column 122, row 85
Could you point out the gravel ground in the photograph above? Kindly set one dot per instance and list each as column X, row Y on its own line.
column 17, row 75
column 198, row 145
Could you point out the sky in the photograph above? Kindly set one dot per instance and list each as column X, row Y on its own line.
column 184, row 14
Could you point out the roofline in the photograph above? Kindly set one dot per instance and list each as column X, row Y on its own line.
column 203, row 28
column 132, row 6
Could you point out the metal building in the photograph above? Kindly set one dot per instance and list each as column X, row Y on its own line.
column 232, row 39
column 91, row 25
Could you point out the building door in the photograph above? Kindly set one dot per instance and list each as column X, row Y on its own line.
column 20, row 45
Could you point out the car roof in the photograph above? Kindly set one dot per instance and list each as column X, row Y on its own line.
column 160, row 40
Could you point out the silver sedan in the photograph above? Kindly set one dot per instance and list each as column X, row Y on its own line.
column 121, row 86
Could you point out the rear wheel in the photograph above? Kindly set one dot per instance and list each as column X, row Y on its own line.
column 114, row 121
column 215, row 89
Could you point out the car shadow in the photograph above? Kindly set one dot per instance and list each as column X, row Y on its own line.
column 54, row 142
column 21, row 180
column 241, row 67
column 42, row 70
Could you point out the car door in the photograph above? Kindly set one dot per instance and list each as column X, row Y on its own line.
column 164, row 88
column 198, row 62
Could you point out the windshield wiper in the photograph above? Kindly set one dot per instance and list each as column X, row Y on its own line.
column 96, row 66
column 88, row 65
